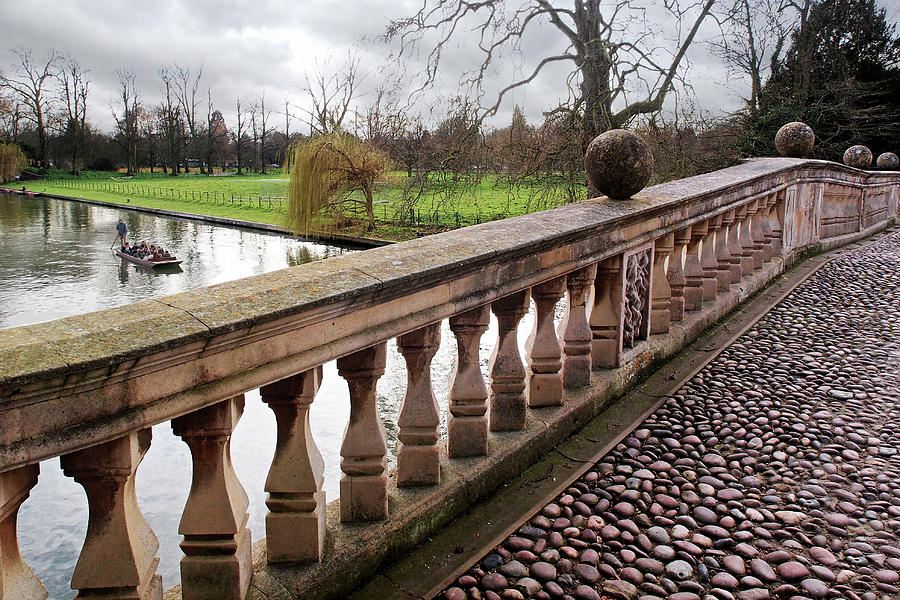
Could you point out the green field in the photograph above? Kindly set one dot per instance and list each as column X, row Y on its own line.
column 402, row 209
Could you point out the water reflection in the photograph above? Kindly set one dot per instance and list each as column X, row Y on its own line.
column 55, row 257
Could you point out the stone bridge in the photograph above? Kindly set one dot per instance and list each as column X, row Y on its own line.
column 640, row 279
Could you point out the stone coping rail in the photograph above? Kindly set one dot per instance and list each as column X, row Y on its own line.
column 641, row 277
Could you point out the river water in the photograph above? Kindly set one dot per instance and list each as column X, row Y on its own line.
column 55, row 261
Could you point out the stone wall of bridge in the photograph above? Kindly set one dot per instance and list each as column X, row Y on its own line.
column 640, row 278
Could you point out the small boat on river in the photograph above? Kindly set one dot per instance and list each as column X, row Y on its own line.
column 152, row 263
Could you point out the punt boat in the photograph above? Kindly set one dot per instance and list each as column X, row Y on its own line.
column 159, row 262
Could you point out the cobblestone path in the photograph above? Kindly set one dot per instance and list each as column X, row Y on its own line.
column 773, row 473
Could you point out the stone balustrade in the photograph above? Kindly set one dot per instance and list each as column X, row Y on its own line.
column 639, row 278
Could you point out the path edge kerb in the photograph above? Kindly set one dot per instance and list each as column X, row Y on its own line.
column 434, row 565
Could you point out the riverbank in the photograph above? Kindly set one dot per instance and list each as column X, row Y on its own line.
column 441, row 205
column 356, row 241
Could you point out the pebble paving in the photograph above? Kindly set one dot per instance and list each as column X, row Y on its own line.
column 773, row 473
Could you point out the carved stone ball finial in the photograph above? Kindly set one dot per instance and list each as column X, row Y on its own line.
column 795, row 140
column 618, row 163
column 888, row 161
column 858, row 156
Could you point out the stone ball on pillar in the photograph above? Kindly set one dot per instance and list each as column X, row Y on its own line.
column 858, row 156
column 795, row 140
column 888, row 161
column 618, row 163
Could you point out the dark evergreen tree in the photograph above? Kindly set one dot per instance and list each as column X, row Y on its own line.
column 841, row 76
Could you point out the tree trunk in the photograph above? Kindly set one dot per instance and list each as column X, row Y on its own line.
column 370, row 207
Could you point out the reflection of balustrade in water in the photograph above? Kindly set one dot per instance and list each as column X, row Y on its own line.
column 640, row 279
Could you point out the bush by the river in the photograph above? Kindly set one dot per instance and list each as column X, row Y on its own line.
column 12, row 161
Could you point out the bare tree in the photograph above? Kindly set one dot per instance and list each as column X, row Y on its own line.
column 10, row 116
column 239, row 133
column 805, row 49
column 187, row 87
column 254, row 159
column 615, row 53
column 150, row 128
column 216, row 133
column 752, row 40
column 75, row 84
column 127, row 122
column 171, row 117
column 331, row 94
column 28, row 83
column 264, row 117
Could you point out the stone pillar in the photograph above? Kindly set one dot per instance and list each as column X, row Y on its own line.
column 542, row 352
column 118, row 558
column 295, row 523
column 660, row 305
column 693, row 270
column 775, row 218
column 606, row 315
column 507, row 371
column 708, row 261
column 216, row 543
column 17, row 580
column 467, row 423
column 756, row 232
column 418, row 458
column 675, row 274
column 723, row 254
column 364, row 482
column 735, row 248
column 574, row 328
column 765, row 228
column 747, row 239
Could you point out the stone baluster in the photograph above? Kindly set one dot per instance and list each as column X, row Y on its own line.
column 735, row 248
column 467, row 424
column 295, row 523
column 775, row 222
column 660, row 304
column 574, row 329
column 675, row 274
column 765, row 228
column 708, row 261
column 17, row 580
column 607, row 316
column 507, row 371
column 363, row 452
column 756, row 233
column 693, row 270
column 747, row 239
column 418, row 458
column 216, row 545
column 118, row 558
column 542, row 351
column 723, row 253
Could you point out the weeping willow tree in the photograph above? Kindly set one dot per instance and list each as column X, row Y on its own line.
column 324, row 172
column 12, row 161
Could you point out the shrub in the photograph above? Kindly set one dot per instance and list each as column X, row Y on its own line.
column 12, row 161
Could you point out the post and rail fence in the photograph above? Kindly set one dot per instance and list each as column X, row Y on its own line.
column 149, row 191
column 640, row 279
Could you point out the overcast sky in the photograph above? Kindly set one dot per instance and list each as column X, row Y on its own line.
column 266, row 46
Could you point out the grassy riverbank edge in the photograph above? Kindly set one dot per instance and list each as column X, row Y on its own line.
column 340, row 238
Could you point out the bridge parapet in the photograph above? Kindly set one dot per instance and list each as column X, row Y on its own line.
column 641, row 278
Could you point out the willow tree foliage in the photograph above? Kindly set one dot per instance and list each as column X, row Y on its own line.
column 324, row 171
column 12, row 161
column 623, row 56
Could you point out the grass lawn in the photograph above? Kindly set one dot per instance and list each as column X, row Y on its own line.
column 401, row 210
